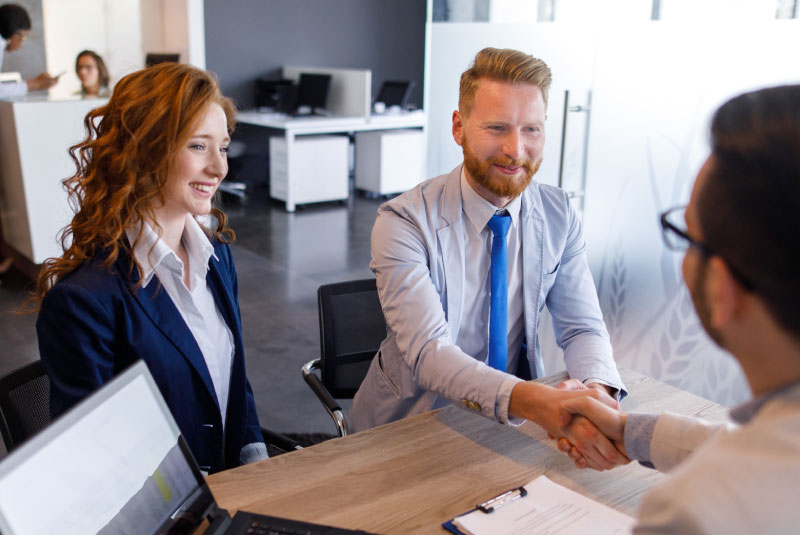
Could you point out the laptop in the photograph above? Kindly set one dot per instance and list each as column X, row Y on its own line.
column 117, row 464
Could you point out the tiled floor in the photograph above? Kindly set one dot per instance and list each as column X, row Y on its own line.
column 281, row 260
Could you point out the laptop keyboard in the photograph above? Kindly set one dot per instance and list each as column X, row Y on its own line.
column 264, row 528
column 254, row 524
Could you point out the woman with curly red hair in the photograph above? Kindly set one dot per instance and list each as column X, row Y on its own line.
column 147, row 271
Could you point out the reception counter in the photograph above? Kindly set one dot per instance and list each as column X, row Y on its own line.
column 35, row 136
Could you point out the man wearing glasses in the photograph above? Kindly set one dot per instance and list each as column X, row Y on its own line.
column 15, row 25
column 741, row 267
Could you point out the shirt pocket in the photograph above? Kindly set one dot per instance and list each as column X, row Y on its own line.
column 386, row 384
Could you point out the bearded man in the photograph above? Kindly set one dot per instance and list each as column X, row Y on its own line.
column 465, row 263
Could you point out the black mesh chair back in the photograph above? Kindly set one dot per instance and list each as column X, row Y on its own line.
column 351, row 329
column 24, row 403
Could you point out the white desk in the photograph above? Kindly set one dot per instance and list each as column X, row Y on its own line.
column 35, row 135
column 304, row 126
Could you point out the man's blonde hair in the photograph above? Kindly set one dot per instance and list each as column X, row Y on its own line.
column 502, row 65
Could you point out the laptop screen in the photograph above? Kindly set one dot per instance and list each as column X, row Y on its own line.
column 114, row 464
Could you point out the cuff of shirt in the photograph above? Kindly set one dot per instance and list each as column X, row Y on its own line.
column 504, row 398
column 255, row 451
column 638, row 436
column 615, row 392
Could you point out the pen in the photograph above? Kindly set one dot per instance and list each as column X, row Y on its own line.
column 503, row 499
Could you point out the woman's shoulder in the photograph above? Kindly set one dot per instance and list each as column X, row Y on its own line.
column 96, row 276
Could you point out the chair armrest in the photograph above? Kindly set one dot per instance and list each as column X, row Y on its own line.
column 281, row 442
column 315, row 384
column 333, row 407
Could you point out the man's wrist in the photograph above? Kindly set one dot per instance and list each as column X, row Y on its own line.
column 523, row 401
column 608, row 389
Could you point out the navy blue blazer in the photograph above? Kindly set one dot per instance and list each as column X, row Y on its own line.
column 94, row 323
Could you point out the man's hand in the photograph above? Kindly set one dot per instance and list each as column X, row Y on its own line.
column 574, row 384
column 553, row 409
column 609, row 422
column 43, row 81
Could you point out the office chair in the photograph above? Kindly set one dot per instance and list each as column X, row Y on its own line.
column 351, row 329
column 25, row 409
column 236, row 150
column 24, row 403
column 278, row 443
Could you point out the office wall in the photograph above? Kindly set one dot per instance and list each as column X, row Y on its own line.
column 174, row 26
column 250, row 38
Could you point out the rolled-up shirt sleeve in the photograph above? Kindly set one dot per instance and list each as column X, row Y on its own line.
column 638, row 436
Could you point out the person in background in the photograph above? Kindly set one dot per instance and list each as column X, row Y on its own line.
column 466, row 262
column 740, row 266
column 92, row 71
column 15, row 25
column 147, row 271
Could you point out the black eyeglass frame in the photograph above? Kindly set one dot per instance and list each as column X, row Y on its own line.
column 702, row 248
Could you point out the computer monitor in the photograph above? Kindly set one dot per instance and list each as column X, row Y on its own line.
column 276, row 95
column 117, row 464
column 313, row 91
column 395, row 93
column 154, row 59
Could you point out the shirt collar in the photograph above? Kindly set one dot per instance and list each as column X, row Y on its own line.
column 479, row 211
column 151, row 250
column 747, row 411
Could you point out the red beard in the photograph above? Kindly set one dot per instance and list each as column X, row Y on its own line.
column 501, row 185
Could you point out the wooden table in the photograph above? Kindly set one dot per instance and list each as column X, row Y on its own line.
column 410, row 476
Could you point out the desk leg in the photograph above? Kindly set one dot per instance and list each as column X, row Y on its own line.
column 290, row 171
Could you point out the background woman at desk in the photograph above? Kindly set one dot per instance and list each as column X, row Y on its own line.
column 142, row 276
column 93, row 74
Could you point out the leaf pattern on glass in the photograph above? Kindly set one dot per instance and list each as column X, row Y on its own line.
column 616, row 309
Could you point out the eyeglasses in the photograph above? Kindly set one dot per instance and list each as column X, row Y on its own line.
column 22, row 36
column 677, row 239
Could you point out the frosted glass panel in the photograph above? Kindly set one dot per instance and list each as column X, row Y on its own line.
column 653, row 88
column 651, row 107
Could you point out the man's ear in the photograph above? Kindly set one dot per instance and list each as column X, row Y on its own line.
column 458, row 127
column 724, row 293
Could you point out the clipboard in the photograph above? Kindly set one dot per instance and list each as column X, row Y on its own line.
column 488, row 507
column 542, row 506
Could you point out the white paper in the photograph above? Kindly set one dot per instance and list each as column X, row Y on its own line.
column 548, row 509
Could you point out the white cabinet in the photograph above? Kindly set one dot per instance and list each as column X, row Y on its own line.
column 319, row 169
column 389, row 161
column 35, row 135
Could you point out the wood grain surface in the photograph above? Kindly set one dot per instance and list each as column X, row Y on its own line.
column 409, row 476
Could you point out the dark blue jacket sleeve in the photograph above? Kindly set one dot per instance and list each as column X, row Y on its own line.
column 76, row 344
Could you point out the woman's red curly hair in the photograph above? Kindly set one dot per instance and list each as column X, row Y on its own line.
column 129, row 152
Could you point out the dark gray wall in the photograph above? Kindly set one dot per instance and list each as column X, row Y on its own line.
column 246, row 39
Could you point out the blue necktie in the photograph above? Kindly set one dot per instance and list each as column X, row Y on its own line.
column 498, row 309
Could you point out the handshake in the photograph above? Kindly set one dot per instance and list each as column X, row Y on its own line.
column 586, row 421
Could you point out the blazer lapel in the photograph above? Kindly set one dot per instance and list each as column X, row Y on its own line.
column 451, row 241
column 158, row 306
column 532, row 252
column 223, row 295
